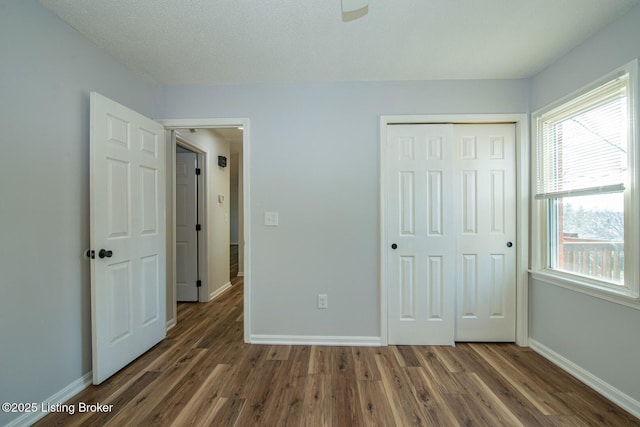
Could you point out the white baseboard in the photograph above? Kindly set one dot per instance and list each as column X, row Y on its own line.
column 60, row 397
column 240, row 273
column 222, row 289
column 315, row 340
column 607, row 390
column 171, row 323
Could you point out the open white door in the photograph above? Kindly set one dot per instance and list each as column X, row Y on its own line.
column 128, row 289
column 186, row 230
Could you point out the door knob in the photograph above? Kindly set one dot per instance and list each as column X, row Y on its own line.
column 105, row 254
column 509, row 244
column 394, row 246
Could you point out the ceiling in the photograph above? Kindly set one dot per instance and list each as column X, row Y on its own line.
column 198, row 42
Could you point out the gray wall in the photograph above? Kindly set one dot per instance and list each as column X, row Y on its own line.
column 599, row 336
column 46, row 72
column 314, row 159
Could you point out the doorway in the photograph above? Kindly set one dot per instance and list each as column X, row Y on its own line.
column 216, row 201
column 443, row 278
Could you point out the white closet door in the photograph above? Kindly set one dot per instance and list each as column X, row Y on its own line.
column 421, row 267
column 450, row 232
column 486, row 197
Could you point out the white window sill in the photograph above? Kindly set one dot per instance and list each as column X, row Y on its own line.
column 575, row 283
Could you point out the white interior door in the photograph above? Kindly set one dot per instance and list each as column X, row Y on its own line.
column 486, row 189
column 421, row 265
column 128, row 286
column 186, row 220
column 450, row 209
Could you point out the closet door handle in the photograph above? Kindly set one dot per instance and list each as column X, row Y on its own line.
column 394, row 246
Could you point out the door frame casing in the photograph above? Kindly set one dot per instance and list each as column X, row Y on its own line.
column 522, row 207
column 213, row 123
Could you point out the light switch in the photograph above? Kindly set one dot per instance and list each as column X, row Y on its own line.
column 271, row 219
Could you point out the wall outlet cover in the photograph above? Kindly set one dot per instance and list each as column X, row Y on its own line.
column 271, row 219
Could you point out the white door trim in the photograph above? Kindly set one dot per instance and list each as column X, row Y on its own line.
column 212, row 123
column 522, row 208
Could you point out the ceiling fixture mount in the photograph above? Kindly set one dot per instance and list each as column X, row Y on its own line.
column 354, row 9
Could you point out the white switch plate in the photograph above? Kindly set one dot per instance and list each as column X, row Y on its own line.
column 271, row 219
column 323, row 301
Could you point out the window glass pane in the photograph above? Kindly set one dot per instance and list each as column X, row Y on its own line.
column 588, row 236
column 593, row 147
column 584, row 142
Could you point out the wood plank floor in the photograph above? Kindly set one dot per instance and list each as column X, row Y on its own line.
column 203, row 374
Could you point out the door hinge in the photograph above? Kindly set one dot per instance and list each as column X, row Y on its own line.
column 197, row 171
column 198, row 227
column 198, row 283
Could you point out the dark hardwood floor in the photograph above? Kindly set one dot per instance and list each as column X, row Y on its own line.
column 203, row 374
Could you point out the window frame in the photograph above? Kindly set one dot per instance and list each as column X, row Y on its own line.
column 629, row 293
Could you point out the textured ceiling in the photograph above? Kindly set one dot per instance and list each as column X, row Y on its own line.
column 178, row 42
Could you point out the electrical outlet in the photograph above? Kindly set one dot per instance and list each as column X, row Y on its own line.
column 271, row 219
column 323, row 301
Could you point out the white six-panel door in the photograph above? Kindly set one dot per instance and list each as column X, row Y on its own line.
column 450, row 209
column 421, row 268
column 485, row 188
column 186, row 234
column 127, row 162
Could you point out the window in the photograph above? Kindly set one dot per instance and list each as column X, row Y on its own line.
column 587, row 209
